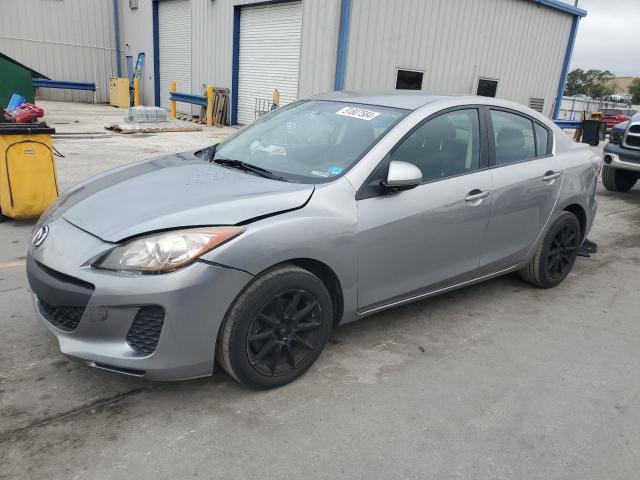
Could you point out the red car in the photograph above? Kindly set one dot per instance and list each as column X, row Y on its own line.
column 614, row 116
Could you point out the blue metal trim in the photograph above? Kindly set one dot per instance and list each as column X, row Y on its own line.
column 569, row 124
column 156, row 54
column 116, row 27
column 188, row 98
column 235, row 65
column 343, row 44
column 565, row 67
column 41, row 83
column 563, row 7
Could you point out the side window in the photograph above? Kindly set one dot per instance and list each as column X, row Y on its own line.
column 513, row 136
column 444, row 146
column 542, row 140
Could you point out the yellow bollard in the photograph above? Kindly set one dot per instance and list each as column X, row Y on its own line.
column 209, row 106
column 136, row 92
column 276, row 100
column 173, row 102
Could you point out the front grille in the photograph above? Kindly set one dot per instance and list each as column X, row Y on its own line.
column 145, row 329
column 633, row 142
column 632, row 137
column 63, row 318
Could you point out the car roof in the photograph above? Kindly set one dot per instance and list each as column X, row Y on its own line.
column 406, row 99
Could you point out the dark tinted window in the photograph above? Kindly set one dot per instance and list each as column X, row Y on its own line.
column 513, row 136
column 409, row 80
column 542, row 138
column 611, row 112
column 444, row 146
column 487, row 88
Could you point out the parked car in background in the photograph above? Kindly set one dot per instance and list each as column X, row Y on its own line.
column 622, row 156
column 614, row 116
column 318, row 214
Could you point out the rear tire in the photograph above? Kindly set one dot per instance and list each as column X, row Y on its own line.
column 276, row 329
column 617, row 180
column 556, row 254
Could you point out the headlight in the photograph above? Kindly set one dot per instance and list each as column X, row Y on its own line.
column 167, row 251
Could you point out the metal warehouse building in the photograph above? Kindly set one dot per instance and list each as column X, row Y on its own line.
column 514, row 49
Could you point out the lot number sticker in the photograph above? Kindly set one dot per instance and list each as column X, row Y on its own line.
column 360, row 113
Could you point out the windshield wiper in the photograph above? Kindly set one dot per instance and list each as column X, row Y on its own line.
column 247, row 167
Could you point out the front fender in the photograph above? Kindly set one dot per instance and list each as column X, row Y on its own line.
column 323, row 230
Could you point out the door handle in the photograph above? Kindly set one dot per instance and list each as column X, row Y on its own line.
column 550, row 176
column 475, row 195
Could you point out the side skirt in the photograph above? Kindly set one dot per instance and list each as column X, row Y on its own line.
column 413, row 298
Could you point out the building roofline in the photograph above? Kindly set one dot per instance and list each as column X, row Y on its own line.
column 563, row 7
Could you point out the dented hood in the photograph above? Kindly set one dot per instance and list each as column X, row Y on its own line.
column 171, row 192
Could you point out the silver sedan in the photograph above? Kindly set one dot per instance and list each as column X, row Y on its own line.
column 318, row 214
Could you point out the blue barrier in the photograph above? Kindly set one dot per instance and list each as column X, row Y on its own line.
column 569, row 124
column 188, row 98
column 42, row 83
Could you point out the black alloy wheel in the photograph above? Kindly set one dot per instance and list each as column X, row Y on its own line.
column 556, row 253
column 562, row 251
column 286, row 330
column 276, row 328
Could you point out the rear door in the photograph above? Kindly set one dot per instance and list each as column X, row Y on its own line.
column 526, row 184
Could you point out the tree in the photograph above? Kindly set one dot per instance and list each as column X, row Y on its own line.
column 594, row 83
column 634, row 90
column 576, row 83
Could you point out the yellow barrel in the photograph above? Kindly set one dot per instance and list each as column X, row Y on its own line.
column 28, row 181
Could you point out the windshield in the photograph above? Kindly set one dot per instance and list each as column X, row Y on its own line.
column 312, row 141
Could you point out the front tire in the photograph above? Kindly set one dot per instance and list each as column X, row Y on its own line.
column 556, row 254
column 276, row 329
column 617, row 180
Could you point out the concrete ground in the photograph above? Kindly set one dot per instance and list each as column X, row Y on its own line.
column 500, row 380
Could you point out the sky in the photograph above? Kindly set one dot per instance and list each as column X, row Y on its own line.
column 609, row 37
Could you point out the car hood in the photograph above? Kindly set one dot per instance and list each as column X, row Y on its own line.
column 171, row 192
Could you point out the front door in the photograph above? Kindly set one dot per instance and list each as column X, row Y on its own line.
column 527, row 180
column 433, row 234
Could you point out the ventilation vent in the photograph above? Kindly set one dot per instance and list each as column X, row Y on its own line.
column 63, row 318
column 145, row 330
column 536, row 104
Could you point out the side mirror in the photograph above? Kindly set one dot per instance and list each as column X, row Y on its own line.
column 402, row 176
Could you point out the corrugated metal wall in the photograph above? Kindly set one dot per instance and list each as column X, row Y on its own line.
column 63, row 39
column 454, row 41
column 212, row 47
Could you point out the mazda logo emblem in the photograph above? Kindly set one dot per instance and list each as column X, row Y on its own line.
column 40, row 236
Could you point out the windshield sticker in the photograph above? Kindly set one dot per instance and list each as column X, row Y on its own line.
column 335, row 170
column 320, row 174
column 360, row 113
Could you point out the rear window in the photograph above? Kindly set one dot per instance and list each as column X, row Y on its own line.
column 611, row 112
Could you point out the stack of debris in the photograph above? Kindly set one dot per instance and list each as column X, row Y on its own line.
column 150, row 120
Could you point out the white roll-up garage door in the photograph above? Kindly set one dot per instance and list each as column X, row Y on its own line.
column 270, row 38
column 174, row 22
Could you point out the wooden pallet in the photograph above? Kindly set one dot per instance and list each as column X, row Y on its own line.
column 220, row 110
